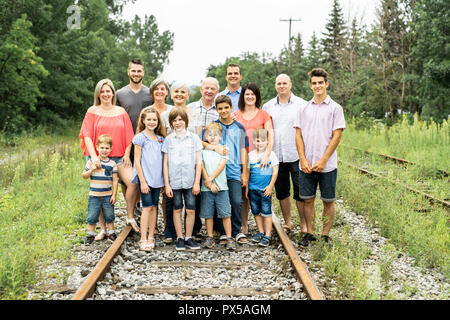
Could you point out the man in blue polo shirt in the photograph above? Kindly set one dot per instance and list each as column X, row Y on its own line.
column 233, row 89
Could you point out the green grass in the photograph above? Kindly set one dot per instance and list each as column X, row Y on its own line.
column 44, row 202
column 425, row 143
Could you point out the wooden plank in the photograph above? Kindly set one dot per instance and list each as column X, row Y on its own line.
column 184, row 264
column 299, row 266
column 88, row 287
column 235, row 292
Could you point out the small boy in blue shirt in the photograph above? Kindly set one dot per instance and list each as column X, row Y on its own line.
column 260, row 187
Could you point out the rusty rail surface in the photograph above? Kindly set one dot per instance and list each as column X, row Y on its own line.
column 430, row 197
column 299, row 266
column 395, row 159
column 86, row 290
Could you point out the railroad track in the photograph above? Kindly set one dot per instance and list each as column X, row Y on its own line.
column 249, row 272
column 431, row 198
column 443, row 173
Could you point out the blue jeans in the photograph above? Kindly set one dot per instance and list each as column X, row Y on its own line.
column 259, row 203
column 215, row 201
column 94, row 205
column 235, row 195
column 169, row 230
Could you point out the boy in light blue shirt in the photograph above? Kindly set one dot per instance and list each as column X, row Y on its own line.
column 215, row 188
column 260, row 187
column 182, row 170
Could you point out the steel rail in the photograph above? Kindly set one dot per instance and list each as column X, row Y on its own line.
column 395, row 159
column 86, row 290
column 299, row 266
column 430, row 197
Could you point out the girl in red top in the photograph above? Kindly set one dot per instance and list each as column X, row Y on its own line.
column 104, row 117
column 252, row 117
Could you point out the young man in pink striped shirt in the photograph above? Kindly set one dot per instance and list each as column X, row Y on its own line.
column 319, row 126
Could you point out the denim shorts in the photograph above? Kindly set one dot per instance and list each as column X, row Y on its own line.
column 151, row 199
column 326, row 182
column 259, row 203
column 211, row 201
column 94, row 205
column 189, row 199
column 282, row 185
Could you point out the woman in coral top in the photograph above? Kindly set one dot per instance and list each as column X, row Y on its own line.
column 104, row 117
column 252, row 117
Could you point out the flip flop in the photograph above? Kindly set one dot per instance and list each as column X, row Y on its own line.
column 287, row 230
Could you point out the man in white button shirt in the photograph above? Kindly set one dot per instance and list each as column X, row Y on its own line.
column 283, row 110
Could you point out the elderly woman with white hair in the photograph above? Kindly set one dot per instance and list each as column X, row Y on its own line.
column 180, row 93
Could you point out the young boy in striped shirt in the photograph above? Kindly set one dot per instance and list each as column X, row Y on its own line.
column 103, row 188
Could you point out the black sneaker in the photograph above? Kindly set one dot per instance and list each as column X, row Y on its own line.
column 89, row 239
column 112, row 236
column 180, row 246
column 191, row 244
column 307, row 238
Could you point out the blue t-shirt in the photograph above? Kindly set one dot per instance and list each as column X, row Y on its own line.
column 235, row 138
column 151, row 160
column 260, row 178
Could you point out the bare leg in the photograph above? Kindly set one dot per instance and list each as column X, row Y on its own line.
column 310, row 215
column 152, row 223
column 267, row 226
column 301, row 213
column 178, row 223
column 227, row 226
column 285, row 206
column 145, row 216
column 328, row 216
column 259, row 223
column 209, row 226
column 190, row 219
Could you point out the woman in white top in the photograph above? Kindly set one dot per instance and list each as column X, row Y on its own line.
column 180, row 93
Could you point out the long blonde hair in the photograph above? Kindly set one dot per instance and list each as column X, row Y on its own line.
column 159, row 130
column 98, row 88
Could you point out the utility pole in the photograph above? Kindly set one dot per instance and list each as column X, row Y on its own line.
column 290, row 20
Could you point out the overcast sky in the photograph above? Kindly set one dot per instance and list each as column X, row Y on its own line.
column 208, row 31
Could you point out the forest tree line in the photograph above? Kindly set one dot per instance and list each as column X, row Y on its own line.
column 399, row 64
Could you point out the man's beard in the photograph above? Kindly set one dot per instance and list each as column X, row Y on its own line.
column 136, row 82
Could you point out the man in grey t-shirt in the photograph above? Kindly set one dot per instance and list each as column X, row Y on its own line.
column 135, row 96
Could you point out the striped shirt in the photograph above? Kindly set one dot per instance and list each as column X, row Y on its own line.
column 205, row 116
column 102, row 179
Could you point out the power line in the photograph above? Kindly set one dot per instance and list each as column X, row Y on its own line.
column 290, row 20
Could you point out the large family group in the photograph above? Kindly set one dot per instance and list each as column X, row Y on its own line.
column 215, row 157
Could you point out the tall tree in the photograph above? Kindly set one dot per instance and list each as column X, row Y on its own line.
column 334, row 39
column 431, row 51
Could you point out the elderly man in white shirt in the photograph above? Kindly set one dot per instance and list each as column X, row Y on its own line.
column 283, row 110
